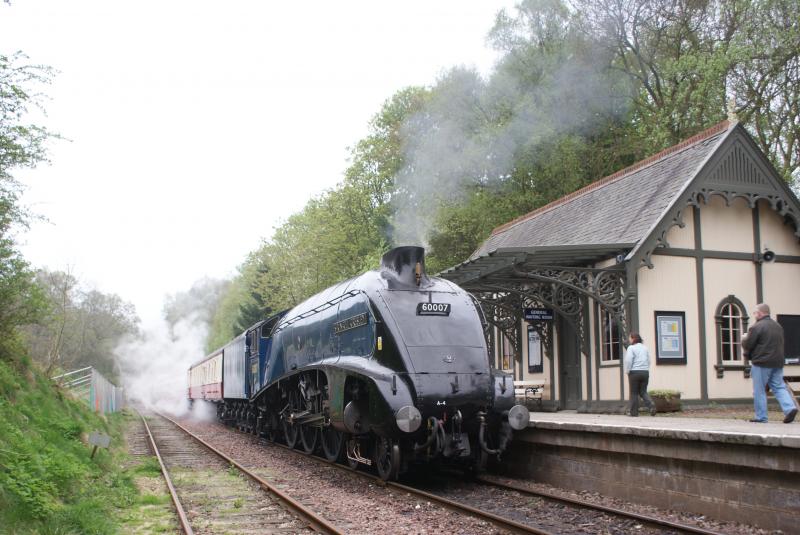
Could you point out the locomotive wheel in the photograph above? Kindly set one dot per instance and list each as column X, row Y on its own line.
column 290, row 434
column 291, row 430
column 273, row 427
column 308, row 436
column 332, row 441
column 387, row 458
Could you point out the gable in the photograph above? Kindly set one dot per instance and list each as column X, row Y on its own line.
column 737, row 169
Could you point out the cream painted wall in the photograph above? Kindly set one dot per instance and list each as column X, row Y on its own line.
column 588, row 362
column 774, row 234
column 555, row 386
column 726, row 228
column 671, row 286
column 609, row 383
column 683, row 238
column 781, row 297
column 723, row 278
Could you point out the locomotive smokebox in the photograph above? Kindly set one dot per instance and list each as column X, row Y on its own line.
column 404, row 268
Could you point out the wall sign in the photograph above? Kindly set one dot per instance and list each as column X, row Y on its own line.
column 670, row 337
column 539, row 314
column 534, row 351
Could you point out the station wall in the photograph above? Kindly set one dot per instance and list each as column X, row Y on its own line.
column 726, row 228
column 671, row 286
column 723, row 278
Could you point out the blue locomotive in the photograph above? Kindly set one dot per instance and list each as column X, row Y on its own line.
column 385, row 369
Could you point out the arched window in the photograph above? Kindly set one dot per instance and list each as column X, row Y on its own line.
column 731, row 318
column 731, row 332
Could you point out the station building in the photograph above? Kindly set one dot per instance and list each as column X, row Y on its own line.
column 679, row 247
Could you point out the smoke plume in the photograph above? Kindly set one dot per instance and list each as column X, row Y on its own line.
column 473, row 130
column 155, row 364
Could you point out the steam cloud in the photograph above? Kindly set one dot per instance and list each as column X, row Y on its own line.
column 472, row 130
column 155, row 365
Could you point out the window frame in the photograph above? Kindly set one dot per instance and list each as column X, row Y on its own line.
column 607, row 323
column 732, row 365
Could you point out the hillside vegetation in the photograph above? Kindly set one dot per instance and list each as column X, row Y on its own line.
column 48, row 483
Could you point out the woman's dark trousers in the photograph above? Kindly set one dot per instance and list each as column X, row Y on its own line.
column 638, row 380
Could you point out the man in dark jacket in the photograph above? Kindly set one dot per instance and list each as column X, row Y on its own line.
column 764, row 347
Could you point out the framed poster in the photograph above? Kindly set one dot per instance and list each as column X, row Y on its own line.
column 670, row 337
column 535, row 364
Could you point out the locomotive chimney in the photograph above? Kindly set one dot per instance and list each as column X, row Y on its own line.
column 404, row 268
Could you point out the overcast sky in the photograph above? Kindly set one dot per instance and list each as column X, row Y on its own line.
column 196, row 127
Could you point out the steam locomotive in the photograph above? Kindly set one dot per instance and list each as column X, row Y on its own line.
column 386, row 369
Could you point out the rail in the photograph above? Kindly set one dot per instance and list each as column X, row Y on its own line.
column 315, row 521
column 182, row 518
column 603, row 508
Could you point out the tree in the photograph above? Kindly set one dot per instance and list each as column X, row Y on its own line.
column 82, row 326
column 688, row 59
column 22, row 145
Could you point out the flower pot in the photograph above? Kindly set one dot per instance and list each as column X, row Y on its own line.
column 668, row 403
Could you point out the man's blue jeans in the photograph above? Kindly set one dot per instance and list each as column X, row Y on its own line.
column 774, row 378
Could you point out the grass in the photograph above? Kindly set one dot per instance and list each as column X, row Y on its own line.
column 48, row 483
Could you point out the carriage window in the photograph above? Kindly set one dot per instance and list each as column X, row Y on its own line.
column 611, row 340
column 731, row 320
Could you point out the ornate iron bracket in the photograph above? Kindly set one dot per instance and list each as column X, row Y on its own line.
column 563, row 289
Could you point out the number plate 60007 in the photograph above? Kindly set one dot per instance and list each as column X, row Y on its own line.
column 433, row 309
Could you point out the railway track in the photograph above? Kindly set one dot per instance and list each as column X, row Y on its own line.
column 669, row 525
column 211, row 496
column 516, row 521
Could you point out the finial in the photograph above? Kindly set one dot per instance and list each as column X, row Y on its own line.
column 732, row 118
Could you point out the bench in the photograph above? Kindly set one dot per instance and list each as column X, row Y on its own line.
column 529, row 390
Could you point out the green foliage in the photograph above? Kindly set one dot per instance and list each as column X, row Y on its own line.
column 687, row 60
column 664, row 393
column 22, row 145
column 48, row 484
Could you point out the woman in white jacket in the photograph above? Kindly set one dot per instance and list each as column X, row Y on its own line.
column 637, row 366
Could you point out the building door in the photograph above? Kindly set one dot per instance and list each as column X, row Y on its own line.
column 569, row 365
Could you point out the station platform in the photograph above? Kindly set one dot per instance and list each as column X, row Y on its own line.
column 721, row 430
column 727, row 469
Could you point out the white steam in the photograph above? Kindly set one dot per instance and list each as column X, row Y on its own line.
column 472, row 131
column 155, row 364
